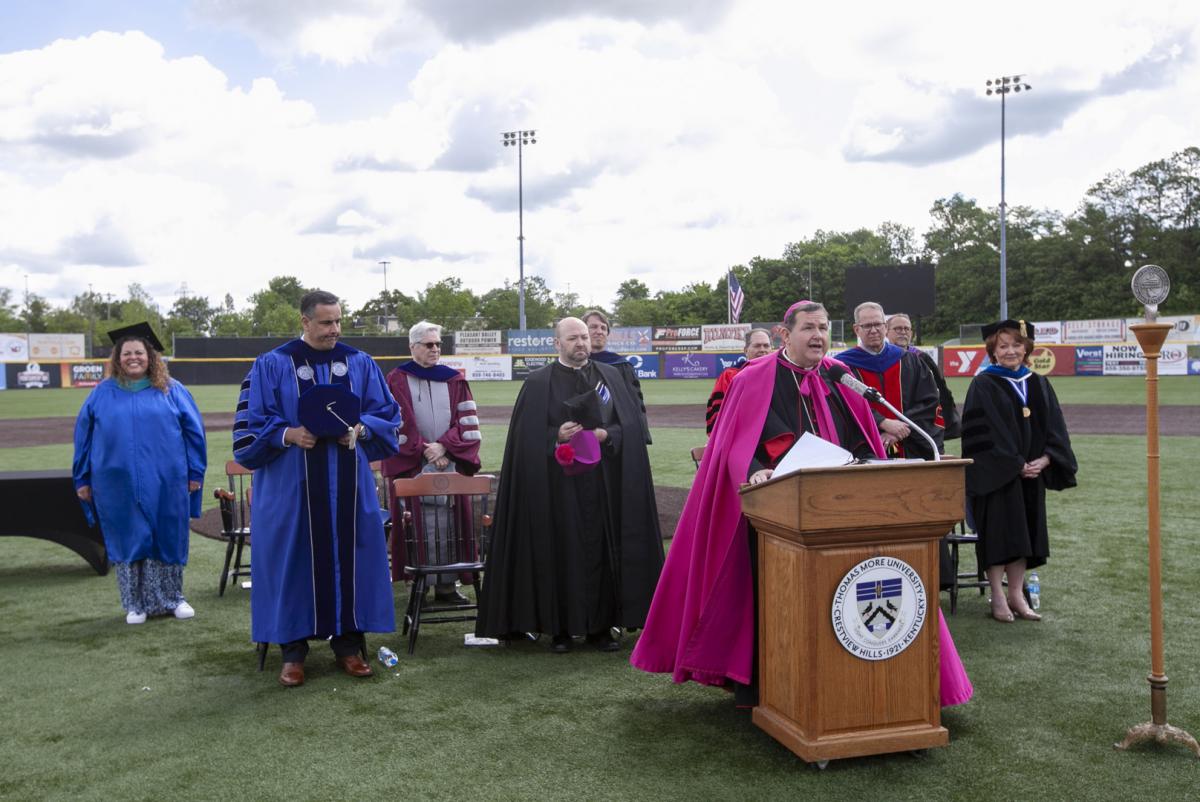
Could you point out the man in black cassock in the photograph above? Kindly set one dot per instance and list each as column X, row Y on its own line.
column 598, row 330
column 572, row 555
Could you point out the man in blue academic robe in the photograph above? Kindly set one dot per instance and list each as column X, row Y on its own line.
column 320, row 565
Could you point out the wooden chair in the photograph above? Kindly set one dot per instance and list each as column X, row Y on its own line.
column 697, row 455
column 234, row 505
column 446, row 525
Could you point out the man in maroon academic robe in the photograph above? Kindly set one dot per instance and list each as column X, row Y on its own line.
column 902, row 379
column 440, row 433
column 758, row 343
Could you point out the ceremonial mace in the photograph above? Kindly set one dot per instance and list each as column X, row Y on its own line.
column 1151, row 286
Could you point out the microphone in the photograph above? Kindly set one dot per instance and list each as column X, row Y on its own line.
column 845, row 378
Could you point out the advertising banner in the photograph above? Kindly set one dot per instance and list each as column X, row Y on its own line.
column 966, row 361
column 82, row 374
column 1089, row 360
column 531, row 341
column 1187, row 327
column 478, row 342
column 522, row 366
column 14, row 348
column 1173, row 360
column 1094, row 331
column 631, row 339
column 645, row 366
column 725, row 361
column 724, row 336
column 690, row 366
column 1053, row 360
column 676, row 338
column 481, row 368
column 1048, row 333
column 56, row 346
column 1194, row 360
column 32, row 376
column 1124, row 359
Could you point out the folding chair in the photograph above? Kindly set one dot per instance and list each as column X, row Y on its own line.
column 234, row 504
column 960, row 579
column 697, row 455
column 446, row 524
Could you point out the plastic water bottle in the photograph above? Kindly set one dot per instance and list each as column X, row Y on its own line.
column 388, row 657
column 1035, row 590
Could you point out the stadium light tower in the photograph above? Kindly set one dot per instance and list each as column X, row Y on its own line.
column 520, row 139
column 1002, row 87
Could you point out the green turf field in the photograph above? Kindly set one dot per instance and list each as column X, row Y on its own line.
column 98, row 710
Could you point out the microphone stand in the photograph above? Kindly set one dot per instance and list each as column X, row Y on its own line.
column 871, row 394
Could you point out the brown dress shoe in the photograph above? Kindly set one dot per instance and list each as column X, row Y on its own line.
column 354, row 666
column 291, row 675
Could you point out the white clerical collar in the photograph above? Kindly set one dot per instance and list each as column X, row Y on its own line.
column 572, row 367
column 789, row 360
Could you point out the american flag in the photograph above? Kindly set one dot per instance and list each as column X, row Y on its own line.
column 736, row 298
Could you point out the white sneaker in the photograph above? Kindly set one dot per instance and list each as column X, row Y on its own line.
column 135, row 618
column 184, row 610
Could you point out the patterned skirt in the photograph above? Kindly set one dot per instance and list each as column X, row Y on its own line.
column 149, row 586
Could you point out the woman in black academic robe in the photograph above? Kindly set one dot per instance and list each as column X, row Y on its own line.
column 1013, row 429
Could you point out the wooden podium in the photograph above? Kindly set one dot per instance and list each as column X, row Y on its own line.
column 814, row 526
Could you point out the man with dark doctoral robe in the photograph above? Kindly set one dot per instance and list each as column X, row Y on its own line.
column 900, row 334
column 902, row 379
column 572, row 554
column 320, row 558
column 758, row 343
column 702, row 623
column 598, row 330
column 440, row 433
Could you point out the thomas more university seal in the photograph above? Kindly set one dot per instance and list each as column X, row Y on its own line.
column 879, row 607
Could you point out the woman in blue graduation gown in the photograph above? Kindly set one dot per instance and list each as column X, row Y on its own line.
column 140, row 456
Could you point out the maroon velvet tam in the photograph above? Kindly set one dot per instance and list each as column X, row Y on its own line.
column 579, row 454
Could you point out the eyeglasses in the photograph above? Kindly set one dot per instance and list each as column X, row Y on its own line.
column 431, row 345
column 905, row 329
column 870, row 326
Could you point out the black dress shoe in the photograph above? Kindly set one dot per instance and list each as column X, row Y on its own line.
column 604, row 641
column 450, row 597
column 561, row 644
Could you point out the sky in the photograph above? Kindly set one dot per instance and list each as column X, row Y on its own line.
column 204, row 146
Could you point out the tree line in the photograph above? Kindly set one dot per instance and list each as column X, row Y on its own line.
column 1060, row 266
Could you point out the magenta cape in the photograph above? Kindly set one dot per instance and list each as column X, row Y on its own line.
column 701, row 622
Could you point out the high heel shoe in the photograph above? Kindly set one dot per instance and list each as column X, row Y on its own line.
column 1028, row 614
column 1005, row 617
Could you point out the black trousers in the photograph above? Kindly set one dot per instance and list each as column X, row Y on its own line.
column 343, row 645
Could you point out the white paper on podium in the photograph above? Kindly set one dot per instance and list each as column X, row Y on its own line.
column 811, row 451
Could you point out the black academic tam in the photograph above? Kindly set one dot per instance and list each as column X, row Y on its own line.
column 527, row 586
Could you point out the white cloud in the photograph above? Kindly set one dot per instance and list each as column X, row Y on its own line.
column 673, row 139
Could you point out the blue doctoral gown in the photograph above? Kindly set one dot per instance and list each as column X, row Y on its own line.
column 320, row 559
column 138, row 451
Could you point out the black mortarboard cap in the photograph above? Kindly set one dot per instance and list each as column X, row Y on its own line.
column 584, row 409
column 327, row 410
column 141, row 330
column 1025, row 329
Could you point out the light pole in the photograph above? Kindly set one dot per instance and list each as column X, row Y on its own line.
column 385, row 263
column 1002, row 86
column 520, row 139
